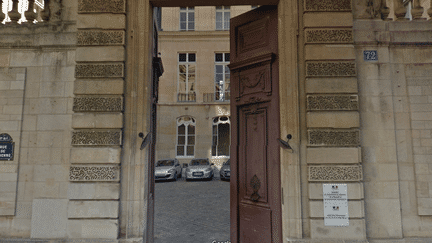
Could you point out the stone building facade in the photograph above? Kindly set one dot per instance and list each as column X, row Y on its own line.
column 205, row 100
column 75, row 94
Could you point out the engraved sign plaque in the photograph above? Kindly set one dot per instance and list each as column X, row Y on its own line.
column 6, row 147
column 335, row 205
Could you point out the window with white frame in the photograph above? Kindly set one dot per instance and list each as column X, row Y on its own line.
column 222, row 77
column 187, row 18
column 221, row 136
column 186, row 77
column 223, row 15
column 185, row 145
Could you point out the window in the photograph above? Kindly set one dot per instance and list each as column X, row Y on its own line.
column 185, row 136
column 187, row 18
column 223, row 17
column 221, row 136
column 222, row 77
column 186, row 77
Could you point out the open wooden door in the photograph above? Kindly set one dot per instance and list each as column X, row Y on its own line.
column 157, row 70
column 255, row 166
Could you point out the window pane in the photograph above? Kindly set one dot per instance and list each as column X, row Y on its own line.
column 181, row 140
column 191, row 78
column 191, row 8
column 180, row 150
column 218, row 57
column 227, row 69
column 191, row 26
column 227, row 57
column 219, row 79
column 218, row 25
column 227, row 17
column 182, row 68
column 182, row 17
column 190, row 150
column 218, row 7
column 181, row 129
column 215, row 127
column 183, row 8
column 226, row 25
column 227, row 87
column 183, row 25
column 191, row 68
column 213, row 150
column 191, row 16
column 191, row 130
column 227, row 7
column 219, row 16
column 182, row 57
column 223, row 143
column 219, row 68
column 191, row 140
column 192, row 58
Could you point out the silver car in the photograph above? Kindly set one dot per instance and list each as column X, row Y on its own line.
column 167, row 169
column 199, row 169
column 225, row 171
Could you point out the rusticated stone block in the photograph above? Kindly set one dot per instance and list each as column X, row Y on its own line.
column 335, row 69
column 340, row 138
column 115, row 70
column 329, row 35
column 93, row 209
column 100, row 37
column 92, row 103
column 91, row 137
column 335, row 173
column 328, row 5
column 94, row 173
column 332, row 102
column 101, row 6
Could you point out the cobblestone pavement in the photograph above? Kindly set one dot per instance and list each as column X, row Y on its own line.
column 192, row 211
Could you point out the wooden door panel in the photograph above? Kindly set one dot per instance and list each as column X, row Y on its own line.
column 255, row 224
column 253, row 155
column 255, row 164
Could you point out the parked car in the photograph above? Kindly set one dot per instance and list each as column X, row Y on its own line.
column 225, row 171
column 199, row 169
column 168, row 169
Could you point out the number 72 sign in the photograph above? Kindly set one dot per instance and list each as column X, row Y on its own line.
column 370, row 55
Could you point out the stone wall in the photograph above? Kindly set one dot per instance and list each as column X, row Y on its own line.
column 395, row 126
column 37, row 75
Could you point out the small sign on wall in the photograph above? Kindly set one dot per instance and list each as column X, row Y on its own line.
column 335, row 205
column 6, row 147
column 370, row 55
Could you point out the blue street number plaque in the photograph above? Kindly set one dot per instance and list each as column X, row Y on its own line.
column 370, row 55
column 6, row 147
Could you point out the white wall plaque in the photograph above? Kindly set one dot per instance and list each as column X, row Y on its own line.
column 335, row 205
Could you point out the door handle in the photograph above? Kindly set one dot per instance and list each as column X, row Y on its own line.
column 146, row 139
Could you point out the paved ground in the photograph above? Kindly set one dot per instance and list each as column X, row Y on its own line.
column 192, row 211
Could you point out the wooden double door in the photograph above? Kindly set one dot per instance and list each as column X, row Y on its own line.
column 255, row 160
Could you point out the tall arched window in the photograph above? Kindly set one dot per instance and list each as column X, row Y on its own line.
column 221, row 136
column 185, row 136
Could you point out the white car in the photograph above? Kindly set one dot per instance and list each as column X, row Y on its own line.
column 168, row 169
column 199, row 169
